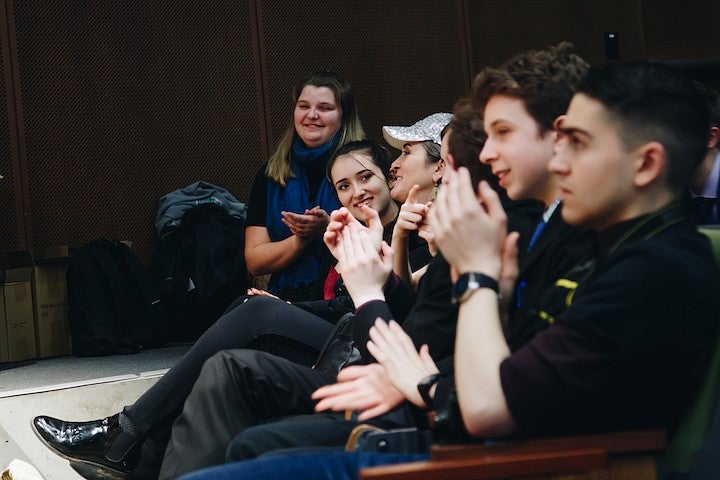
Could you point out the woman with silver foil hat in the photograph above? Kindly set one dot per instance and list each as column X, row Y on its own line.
column 419, row 158
column 417, row 172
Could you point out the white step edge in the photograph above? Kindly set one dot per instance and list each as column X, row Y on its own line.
column 82, row 383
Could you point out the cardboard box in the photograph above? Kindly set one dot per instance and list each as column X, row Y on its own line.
column 4, row 354
column 50, row 304
column 19, row 319
column 35, row 312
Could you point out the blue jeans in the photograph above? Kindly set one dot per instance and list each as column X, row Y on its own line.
column 337, row 465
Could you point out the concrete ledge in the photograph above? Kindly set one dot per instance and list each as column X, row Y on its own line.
column 91, row 400
column 81, row 383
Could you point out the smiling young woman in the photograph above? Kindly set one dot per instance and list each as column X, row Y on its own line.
column 291, row 198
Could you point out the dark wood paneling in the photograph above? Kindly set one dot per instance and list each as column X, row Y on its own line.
column 11, row 187
column 403, row 58
column 687, row 30
column 126, row 101
column 501, row 29
column 109, row 105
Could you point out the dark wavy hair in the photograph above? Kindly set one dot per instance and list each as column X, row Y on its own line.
column 465, row 138
column 545, row 80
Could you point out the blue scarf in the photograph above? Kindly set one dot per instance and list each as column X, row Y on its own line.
column 295, row 197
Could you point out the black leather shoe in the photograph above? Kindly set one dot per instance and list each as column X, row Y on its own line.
column 99, row 446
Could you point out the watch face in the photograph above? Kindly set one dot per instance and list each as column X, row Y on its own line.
column 462, row 284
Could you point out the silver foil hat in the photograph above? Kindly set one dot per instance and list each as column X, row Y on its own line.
column 428, row 128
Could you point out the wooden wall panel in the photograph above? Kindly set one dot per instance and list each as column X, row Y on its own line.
column 681, row 30
column 119, row 103
column 501, row 29
column 126, row 101
column 403, row 58
column 11, row 188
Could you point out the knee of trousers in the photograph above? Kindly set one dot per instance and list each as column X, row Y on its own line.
column 226, row 365
column 260, row 302
column 237, row 360
column 243, row 447
column 262, row 439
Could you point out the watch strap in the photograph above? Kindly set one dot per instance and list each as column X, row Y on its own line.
column 424, row 388
column 470, row 282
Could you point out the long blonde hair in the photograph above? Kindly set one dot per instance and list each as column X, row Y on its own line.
column 278, row 167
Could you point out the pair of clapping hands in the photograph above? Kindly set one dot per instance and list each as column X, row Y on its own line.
column 471, row 232
column 307, row 225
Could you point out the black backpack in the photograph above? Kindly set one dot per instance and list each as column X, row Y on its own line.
column 113, row 306
column 199, row 269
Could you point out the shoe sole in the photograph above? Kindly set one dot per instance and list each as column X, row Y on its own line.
column 84, row 467
column 93, row 471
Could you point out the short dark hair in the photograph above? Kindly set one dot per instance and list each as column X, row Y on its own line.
column 465, row 141
column 544, row 80
column 712, row 100
column 377, row 153
column 653, row 102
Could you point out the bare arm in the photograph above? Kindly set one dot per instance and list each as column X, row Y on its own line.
column 262, row 255
column 477, row 370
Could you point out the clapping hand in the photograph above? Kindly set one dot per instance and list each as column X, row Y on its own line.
column 364, row 270
column 342, row 217
column 365, row 388
column 404, row 365
column 470, row 232
column 308, row 225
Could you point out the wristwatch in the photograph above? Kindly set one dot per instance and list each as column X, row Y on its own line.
column 469, row 282
column 424, row 388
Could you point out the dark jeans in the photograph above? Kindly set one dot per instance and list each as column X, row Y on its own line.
column 299, row 431
column 306, row 433
column 315, row 466
column 236, row 390
column 260, row 322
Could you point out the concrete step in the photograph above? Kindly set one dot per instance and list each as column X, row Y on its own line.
column 77, row 401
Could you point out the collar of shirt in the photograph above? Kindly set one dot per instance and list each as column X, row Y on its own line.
column 710, row 189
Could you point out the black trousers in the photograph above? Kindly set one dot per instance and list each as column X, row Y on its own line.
column 236, row 390
column 260, row 322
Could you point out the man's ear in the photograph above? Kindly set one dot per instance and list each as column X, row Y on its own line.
column 714, row 137
column 651, row 162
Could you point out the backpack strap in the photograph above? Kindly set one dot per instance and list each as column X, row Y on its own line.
column 142, row 280
column 98, row 250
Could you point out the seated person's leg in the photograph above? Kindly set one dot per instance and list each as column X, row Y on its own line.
column 236, row 389
column 317, row 466
column 318, row 430
column 307, row 432
column 294, row 332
